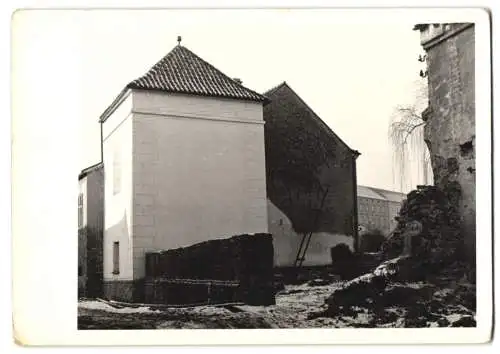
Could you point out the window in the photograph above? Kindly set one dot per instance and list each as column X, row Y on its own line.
column 117, row 173
column 116, row 257
column 80, row 210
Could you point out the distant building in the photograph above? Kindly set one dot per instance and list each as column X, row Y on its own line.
column 394, row 201
column 377, row 208
column 311, row 181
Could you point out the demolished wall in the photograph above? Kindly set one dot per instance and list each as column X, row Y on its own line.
column 450, row 117
column 425, row 256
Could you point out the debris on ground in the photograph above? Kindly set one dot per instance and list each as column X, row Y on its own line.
column 418, row 269
column 298, row 306
column 417, row 280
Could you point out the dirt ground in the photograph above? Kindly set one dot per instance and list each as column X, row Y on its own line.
column 295, row 308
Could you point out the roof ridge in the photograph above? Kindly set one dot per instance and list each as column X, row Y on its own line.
column 219, row 71
column 157, row 68
column 184, row 72
column 371, row 189
column 315, row 115
column 384, row 193
column 275, row 88
column 386, row 190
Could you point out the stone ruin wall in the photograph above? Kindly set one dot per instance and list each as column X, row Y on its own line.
column 450, row 128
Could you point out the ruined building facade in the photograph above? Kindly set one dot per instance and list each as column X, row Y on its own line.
column 450, row 116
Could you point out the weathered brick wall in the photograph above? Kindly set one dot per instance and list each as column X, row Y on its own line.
column 245, row 259
column 306, row 162
column 450, row 128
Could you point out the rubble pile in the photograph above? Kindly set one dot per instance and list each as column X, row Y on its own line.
column 411, row 278
column 436, row 210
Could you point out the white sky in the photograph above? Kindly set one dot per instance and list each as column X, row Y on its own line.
column 352, row 73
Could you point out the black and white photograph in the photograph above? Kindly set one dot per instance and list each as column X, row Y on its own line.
column 278, row 169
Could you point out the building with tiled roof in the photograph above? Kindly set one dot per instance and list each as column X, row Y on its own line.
column 183, row 72
column 191, row 155
column 184, row 162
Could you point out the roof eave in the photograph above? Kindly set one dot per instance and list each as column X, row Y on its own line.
column 86, row 171
column 115, row 104
column 420, row 26
column 260, row 99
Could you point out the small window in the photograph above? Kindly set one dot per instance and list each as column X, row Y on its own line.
column 80, row 271
column 117, row 173
column 80, row 210
column 116, row 257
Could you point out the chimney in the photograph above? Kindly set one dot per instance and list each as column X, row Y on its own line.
column 238, row 80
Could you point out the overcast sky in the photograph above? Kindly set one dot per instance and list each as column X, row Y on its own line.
column 352, row 71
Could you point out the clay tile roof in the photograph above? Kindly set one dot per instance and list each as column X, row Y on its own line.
column 182, row 71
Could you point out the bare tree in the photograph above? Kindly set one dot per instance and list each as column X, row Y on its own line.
column 412, row 164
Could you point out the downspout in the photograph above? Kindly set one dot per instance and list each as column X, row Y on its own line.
column 102, row 152
column 355, row 202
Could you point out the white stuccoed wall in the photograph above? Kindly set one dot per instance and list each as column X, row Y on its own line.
column 286, row 241
column 198, row 171
column 118, row 213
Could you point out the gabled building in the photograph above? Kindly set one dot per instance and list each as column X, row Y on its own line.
column 183, row 150
column 311, row 182
column 191, row 155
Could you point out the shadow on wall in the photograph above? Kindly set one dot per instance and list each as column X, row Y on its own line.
column 286, row 241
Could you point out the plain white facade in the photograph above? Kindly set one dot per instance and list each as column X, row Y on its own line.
column 192, row 169
column 118, row 212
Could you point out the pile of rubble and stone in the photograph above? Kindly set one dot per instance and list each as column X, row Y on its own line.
column 422, row 278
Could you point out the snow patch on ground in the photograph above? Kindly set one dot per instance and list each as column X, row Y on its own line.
column 297, row 306
column 453, row 317
column 98, row 305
